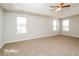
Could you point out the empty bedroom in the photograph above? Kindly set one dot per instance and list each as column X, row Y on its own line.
column 39, row 29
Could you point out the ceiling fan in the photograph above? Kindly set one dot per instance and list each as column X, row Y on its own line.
column 59, row 7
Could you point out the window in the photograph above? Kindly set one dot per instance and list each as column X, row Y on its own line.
column 54, row 25
column 65, row 25
column 21, row 24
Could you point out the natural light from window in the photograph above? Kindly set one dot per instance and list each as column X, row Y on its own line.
column 21, row 24
column 66, row 25
column 54, row 25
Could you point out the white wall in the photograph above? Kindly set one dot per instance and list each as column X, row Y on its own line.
column 73, row 26
column 1, row 27
column 38, row 26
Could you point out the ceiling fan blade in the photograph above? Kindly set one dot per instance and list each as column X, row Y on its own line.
column 61, row 3
column 52, row 9
column 67, row 6
column 53, row 6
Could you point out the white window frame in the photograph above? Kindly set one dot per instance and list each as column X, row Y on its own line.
column 65, row 25
column 21, row 24
column 54, row 23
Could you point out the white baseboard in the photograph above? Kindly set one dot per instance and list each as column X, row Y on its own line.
column 71, row 35
column 41, row 36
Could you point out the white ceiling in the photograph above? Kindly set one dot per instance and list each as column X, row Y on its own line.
column 42, row 8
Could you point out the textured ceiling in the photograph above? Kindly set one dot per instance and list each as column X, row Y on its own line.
column 42, row 9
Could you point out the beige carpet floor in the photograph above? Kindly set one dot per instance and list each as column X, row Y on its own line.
column 48, row 46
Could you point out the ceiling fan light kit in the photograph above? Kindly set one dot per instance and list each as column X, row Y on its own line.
column 58, row 9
